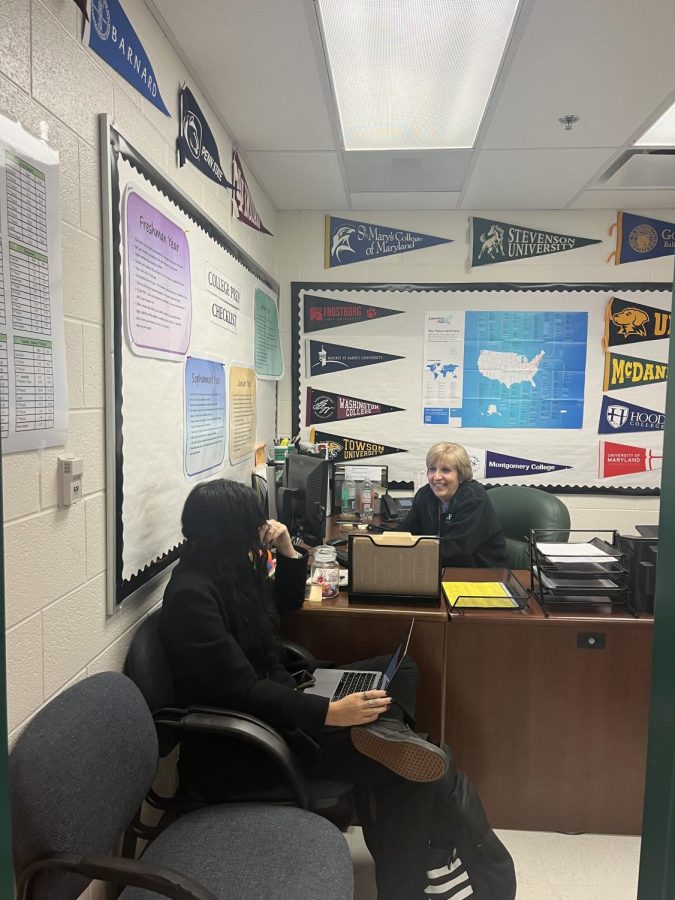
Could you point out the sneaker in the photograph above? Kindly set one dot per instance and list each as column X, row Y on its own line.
column 395, row 746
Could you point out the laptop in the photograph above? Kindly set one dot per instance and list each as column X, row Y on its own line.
column 337, row 683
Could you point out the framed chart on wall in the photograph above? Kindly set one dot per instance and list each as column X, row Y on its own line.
column 191, row 379
column 559, row 386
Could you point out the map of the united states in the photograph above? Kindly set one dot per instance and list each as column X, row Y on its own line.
column 509, row 368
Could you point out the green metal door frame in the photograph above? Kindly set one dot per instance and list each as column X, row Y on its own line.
column 6, row 878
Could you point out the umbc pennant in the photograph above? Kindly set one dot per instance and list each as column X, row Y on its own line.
column 638, row 237
column 620, row 417
column 322, row 358
column 325, row 406
column 348, row 241
column 347, row 449
column 496, row 242
column 630, row 371
column 324, row 312
column 627, row 322
column 499, row 465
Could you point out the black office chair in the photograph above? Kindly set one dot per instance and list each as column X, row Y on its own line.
column 147, row 666
column 259, row 485
column 80, row 771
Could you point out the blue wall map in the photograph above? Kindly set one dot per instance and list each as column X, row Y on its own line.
column 524, row 369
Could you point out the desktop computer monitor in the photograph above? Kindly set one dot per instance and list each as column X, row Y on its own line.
column 302, row 500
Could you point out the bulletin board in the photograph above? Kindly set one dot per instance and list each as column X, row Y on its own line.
column 192, row 361
column 559, row 386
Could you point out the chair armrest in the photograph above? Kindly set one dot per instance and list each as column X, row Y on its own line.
column 117, row 870
column 228, row 723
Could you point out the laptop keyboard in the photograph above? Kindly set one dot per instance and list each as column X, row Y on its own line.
column 354, row 683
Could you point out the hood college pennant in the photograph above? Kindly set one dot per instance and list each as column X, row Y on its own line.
column 242, row 201
column 638, row 237
column 495, row 242
column 348, row 241
column 347, row 449
column 621, row 417
column 110, row 34
column 195, row 140
column 325, row 406
column 322, row 358
column 324, row 312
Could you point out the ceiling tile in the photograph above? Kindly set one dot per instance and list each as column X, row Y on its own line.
column 431, row 170
column 411, row 200
column 300, row 180
column 633, row 199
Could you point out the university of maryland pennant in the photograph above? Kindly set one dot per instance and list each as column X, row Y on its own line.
column 497, row 242
column 325, row 312
column 624, row 459
column 347, row 449
column 627, row 322
column 325, row 406
column 631, row 371
column 638, row 237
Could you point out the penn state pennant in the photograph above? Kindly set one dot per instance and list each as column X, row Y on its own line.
column 631, row 371
column 627, row 322
column 242, row 201
column 624, row 459
column 322, row 358
column 620, row 417
column 196, row 142
column 638, row 237
column 110, row 34
column 324, row 312
column 348, row 241
column 347, row 449
column 500, row 465
column 496, row 242
column 325, row 406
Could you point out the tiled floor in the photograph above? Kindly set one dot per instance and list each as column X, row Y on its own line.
column 549, row 866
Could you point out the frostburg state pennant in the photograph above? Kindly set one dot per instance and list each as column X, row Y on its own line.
column 620, row 417
column 495, row 242
column 630, row 371
column 324, row 312
column 322, row 358
column 348, row 241
column 638, row 237
column 347, row 449
column 627, row 323
column 325, row 406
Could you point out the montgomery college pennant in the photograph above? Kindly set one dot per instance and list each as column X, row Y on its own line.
column 111, row 35
column 242, row 201
column 325, row 406
column 322, row 358
column 348, row 241
column 500, row 465
column 324, row 312
column 638, row 237
column 195, row 140
column 627, row 322
column 630, row 371
column 496, row 242
column 347, row 449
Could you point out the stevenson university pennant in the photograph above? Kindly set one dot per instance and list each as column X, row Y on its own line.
column 496, row 242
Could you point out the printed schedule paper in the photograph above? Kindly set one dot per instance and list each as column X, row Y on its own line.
column 33, row 393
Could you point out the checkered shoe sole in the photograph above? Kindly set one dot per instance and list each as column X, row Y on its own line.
column 411, row 760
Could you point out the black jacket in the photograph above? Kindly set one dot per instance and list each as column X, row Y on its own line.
column 470, row 532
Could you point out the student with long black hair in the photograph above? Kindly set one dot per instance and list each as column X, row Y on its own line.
column 219, row 624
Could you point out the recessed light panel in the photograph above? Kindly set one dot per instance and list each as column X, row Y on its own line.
column 662, row 132
column 413, row 74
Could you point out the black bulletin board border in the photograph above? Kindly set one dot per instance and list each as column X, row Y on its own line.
column 120, row 147
column 297, row 287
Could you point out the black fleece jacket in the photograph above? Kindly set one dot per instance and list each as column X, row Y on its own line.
column 470, row 532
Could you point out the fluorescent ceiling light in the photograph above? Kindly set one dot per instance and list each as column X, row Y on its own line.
column 413, row 74
column 661, row 133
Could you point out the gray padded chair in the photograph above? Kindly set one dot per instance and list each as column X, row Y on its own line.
column 80, row 771
column 520, row 508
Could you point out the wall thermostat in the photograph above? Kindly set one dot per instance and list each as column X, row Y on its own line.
column 70, row 480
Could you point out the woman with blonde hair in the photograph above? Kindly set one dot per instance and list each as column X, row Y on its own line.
column 457, row 509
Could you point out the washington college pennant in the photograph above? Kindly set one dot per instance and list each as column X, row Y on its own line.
column 624, row 459
column 349, row 242
column 322, row 358
column 495, row 242
column 638, row 237
column 627, row 323
column 196, row 142
column 631, row 371
column 242, row 201
column 324, row 312
column 347, row 449
column 325, row 406
column 620, row 417
column 110, row 34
